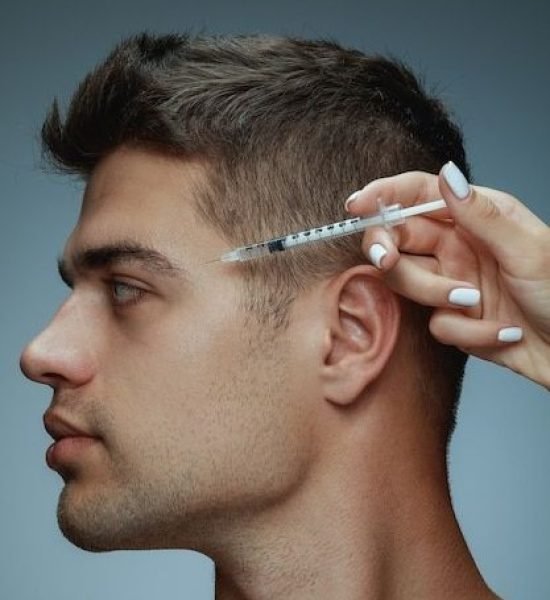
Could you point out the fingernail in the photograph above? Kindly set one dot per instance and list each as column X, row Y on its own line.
column 510, row 334
column 376, row 254
column 351, row 199
column 456, row 180
column 464, row 296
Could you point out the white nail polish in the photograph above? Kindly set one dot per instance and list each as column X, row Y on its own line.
column 464, row 296
column 351, row 199
column 376, row 254
column 510, row 334
column 456, row 181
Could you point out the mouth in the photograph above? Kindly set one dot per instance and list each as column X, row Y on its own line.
column 59, row 428
column 71, row 441
column 68, row 449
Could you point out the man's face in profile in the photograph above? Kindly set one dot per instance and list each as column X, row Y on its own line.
column 201, row 416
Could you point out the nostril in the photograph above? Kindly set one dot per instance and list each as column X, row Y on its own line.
column 57, row 365
column 49, row 379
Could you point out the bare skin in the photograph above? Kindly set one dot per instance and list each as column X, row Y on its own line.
column 302, row 465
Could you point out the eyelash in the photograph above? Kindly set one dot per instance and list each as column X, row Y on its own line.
column 137, row 293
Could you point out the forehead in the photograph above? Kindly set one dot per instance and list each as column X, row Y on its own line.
column 146, row 196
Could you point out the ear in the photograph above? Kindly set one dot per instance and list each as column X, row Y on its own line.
column 361, row 331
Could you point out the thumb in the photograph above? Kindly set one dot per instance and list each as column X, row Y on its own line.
column 478, row 214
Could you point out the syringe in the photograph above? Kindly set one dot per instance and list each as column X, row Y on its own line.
column 386, row 217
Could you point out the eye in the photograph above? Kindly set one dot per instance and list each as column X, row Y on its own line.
column 124, row 294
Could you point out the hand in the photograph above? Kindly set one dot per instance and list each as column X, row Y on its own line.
column 488, row 241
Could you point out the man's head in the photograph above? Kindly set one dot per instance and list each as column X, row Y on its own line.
column 214, row 392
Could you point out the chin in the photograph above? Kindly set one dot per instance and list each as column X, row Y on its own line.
column 92, row 523
column 102, row 520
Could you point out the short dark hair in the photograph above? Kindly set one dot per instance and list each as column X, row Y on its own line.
column 287, row 128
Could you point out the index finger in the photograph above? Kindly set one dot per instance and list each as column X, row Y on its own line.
column 408, row 189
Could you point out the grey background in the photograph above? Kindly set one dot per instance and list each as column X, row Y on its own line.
column 488, row 60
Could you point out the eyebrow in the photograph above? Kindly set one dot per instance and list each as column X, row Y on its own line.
column 123, row 252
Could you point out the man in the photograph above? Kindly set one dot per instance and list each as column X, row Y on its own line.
column 289, row 416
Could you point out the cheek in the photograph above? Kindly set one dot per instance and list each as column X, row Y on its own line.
column 199, row 400
column 225, row 416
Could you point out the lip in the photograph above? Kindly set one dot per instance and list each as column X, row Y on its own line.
column 70, row 441
column 59, row 428
column 68, row 450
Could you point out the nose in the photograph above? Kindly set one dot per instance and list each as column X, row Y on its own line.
column 61, row 353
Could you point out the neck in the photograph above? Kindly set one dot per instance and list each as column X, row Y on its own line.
column 393, row 536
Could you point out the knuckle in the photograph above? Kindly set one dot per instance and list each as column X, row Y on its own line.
column 486, row 208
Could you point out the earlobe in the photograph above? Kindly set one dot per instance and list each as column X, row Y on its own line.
column 361, row 332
